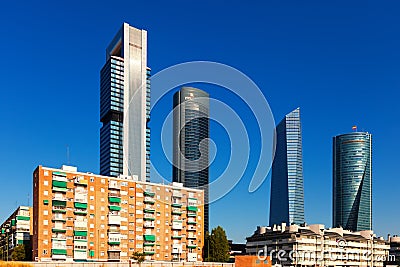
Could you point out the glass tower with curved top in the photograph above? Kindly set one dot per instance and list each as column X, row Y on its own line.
column 190, row 141
column 352, row 181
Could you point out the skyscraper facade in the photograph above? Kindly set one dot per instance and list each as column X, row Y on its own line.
column 125, row 106
column 287, row 190
column 352, row 181
column 190, row 129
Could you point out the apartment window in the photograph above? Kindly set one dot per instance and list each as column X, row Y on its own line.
column 102, row 190
column 45, row 222
column 102, row 217
column 91, row 179
column 102, row 208
column 45, row 193
column 46, row 183
column 45, row 232
column 44, row 251
column 91, row 216
column 103, row 181
column 102, row 226
column 91, row 197
column 92, row 207
column 91, row 225
column 92, row 188
column 45, row 212
column 102, row 253
column 131, row 188
column 101, row 235
column 102, row 199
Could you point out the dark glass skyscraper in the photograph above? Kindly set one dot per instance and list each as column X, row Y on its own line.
column 190, row 129
column 287, row 192
column 125, row 106
column 352, row 181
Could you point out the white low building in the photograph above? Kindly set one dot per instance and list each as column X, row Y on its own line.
column 314, row 245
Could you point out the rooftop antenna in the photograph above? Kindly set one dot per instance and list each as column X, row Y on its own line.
column 68, row 161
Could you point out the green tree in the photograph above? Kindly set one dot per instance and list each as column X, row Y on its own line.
column 139, row 257
column 216, row 246
column 19, row 253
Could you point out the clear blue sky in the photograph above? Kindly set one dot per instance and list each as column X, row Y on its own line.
column 338, row 60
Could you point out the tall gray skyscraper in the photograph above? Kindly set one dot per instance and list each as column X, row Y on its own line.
column 287, row 190
column 125, row 106
column 352, row 181
column 191, row 127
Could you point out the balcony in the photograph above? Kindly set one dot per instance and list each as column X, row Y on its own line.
column 149, row 238
column 81, row 181
column 59, row 230
column 114, row 219
column 114, row 185
column 80, row 205
column 192, row 245
column 176, row 237
column 176, row 205
column 59, row 203
column 192, row 208
column 80, row 232
column 149, row 251
column 80, row 211
column 59, row 198
column 151, row 210
column 114, row 194
column 80, row 224
column 149, row 217
column 176, row 211
column 147, row 244
column 59, row 184
column 191, row 237
column 114, row 239
column 191, row 214
column 58, row 218
column 191, row 221
column 176, row 224
column 149, row 193
column 58, row 209
column 59, row 252
column 114, row 199
column 148, row 225
column 177, row 193
column 59, row 237
column 114, row 248
column 114, row 207
column 149, row 200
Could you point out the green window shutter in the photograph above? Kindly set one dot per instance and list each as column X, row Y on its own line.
column 46, row 202
column 59, row 184
column 191, row 208
column 151, row 238
column 80, row 205
column 12, row 222
column 23, row 218
column 115, row 208
column 80, row 233
column 59, row 203
column 59, row 251
column 114, row 199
